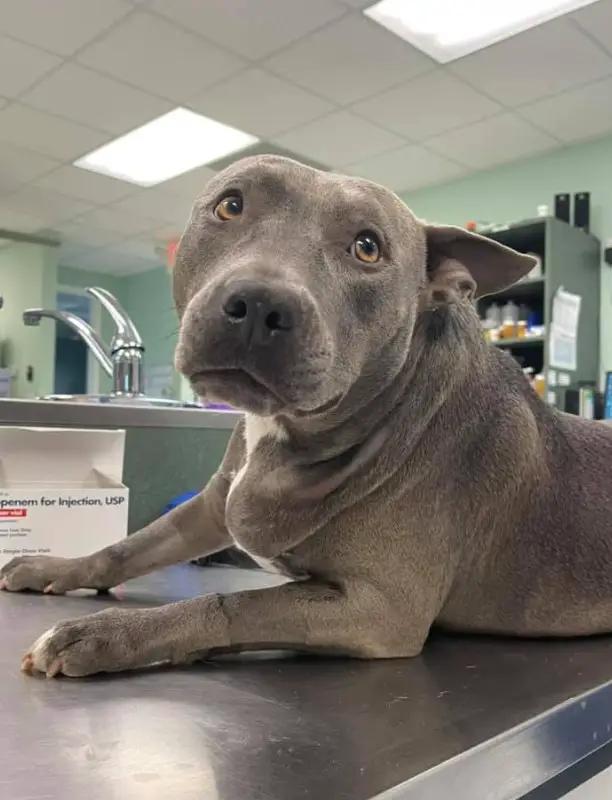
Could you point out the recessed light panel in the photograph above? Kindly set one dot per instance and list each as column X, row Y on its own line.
column 449, row 29
column 166, row 147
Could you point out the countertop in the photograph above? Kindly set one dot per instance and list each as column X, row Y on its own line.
column 111, row 415
column 473, row 718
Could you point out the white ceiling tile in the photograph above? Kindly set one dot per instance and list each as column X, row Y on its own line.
column 158, row 205
column 260, row 103
column 339, row 138
column 80, row 236
column 597, row 20
column 190, row 184
column 14, row 220
column 139, row 248
column 22, row 65
column 46, row 204
column 152, row 54
column 89, row 259
column 493, row 141
column 251, row 29
column 427, row 105
column 92, row 99
column 97, row 260
column 84, row 185
column 167, row 233
column 116, row 262
column 535, row 64
column 350, row 60
column 408, row 168
column 117, row 222
column 61, row 26
column 46, row 133
column 21, row 166
column 583, row 113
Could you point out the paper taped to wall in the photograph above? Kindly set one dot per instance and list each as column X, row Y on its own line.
column 563, row 336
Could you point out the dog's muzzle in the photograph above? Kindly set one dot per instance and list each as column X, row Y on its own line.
column 260, row 316
column 256, row 340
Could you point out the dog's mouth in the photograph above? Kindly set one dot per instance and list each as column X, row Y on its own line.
column 241, row 389
column 329, row 405
column 235, row 386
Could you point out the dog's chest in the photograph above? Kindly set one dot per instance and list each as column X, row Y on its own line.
column 252, row 540
column 246, row 512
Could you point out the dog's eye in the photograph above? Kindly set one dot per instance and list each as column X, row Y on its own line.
column 366, row 248
column 229, row 208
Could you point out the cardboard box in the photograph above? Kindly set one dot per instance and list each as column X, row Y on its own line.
column 61, row 491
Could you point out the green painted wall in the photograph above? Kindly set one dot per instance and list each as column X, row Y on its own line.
column 28, row 277
column 82, row 278
column 515, row 191
column 148, row 300
column 72, row 278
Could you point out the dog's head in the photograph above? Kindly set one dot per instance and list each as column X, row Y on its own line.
column 293, row 283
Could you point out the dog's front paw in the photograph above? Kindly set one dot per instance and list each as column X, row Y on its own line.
column 42, row 574
column 102, row 642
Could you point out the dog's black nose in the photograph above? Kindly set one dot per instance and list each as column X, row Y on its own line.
column 261, row 313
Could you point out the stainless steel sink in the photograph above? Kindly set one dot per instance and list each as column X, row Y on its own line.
column 139, row 401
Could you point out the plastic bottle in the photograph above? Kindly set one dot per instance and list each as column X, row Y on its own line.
column 493, row 322
column 510, row 316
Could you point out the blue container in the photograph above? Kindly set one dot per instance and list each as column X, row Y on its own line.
column 177, row 501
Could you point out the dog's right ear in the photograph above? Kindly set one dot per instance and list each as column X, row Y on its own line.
column 470, row 264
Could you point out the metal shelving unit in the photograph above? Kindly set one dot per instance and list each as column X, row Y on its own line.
column 570, row 259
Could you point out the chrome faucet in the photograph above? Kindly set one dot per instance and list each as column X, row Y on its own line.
column 123, row 361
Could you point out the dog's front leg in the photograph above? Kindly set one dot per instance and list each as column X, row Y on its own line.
column 193, row 529
column 305, row 617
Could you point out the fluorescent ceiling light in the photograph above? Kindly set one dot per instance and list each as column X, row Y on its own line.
column 166, row 147
column 449, row 29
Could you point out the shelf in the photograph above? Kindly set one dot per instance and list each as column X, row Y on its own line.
column 531, row 287
column 528, row 341
column 526, row 236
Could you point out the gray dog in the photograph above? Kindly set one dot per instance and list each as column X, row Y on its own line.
column 391, row 463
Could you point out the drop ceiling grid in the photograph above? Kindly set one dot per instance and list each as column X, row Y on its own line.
column 358, row 111
column 441, row 138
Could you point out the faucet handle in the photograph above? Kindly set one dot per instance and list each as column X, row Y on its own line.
column 127, row 333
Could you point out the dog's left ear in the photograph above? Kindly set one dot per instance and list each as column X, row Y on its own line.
column 470, row 264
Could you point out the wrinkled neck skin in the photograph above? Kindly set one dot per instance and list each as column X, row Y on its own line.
column 295, row 483
column 444, row 354
column 443, row 351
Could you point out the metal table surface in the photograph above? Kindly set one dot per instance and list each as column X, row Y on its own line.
column 484, row 719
